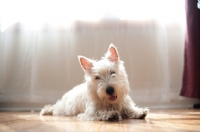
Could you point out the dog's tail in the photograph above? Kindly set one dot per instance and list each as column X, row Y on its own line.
column 47, row 110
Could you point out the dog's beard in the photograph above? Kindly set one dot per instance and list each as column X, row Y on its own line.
column 106, row 99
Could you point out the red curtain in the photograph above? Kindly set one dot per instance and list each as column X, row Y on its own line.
column 191, row 74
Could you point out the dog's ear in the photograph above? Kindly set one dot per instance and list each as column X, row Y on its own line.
column 86, row 63
column 112, row 53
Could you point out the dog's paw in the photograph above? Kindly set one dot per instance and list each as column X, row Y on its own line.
column 85, row 117
column 110, row 115
column 47, row 110
column 113, row 116
column 145, row 111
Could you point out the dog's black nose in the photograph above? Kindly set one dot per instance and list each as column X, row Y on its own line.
column 110, row 90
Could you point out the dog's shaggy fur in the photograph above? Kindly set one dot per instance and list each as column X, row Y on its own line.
column 103, row 95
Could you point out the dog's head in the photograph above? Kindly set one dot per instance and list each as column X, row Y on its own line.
column 106, row 79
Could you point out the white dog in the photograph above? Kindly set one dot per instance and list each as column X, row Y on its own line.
column 103, row 95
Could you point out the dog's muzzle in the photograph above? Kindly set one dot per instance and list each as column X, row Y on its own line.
column 110, row 91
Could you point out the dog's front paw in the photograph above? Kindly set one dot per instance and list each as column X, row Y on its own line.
column 113, row 116
column 109, row 115
column 85, row 117
column 144, row 113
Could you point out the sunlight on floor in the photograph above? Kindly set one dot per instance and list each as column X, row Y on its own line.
column 177, row 120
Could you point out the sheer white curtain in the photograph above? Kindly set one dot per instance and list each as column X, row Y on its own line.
column 40, row 41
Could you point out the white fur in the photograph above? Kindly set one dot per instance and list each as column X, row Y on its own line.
column 91, row 101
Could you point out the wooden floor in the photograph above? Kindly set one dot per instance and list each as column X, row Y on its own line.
column 159, row 120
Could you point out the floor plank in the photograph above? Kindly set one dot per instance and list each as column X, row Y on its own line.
column 159, row 120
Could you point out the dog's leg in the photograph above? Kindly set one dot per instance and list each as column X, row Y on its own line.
column 129, row 110
column 108, row 115
column 47, row 110
column 89, row 113
column 93, row 112
column 56, row 109
column 135, row 112
column 101, row 115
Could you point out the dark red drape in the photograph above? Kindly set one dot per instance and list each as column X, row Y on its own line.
column 191, row 74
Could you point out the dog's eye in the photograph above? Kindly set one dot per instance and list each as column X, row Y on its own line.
column 112, row 72
column 97, row 77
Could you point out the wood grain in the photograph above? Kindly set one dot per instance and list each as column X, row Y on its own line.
column 159, row 120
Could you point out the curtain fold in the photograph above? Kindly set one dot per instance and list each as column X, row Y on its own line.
column 191, row 76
